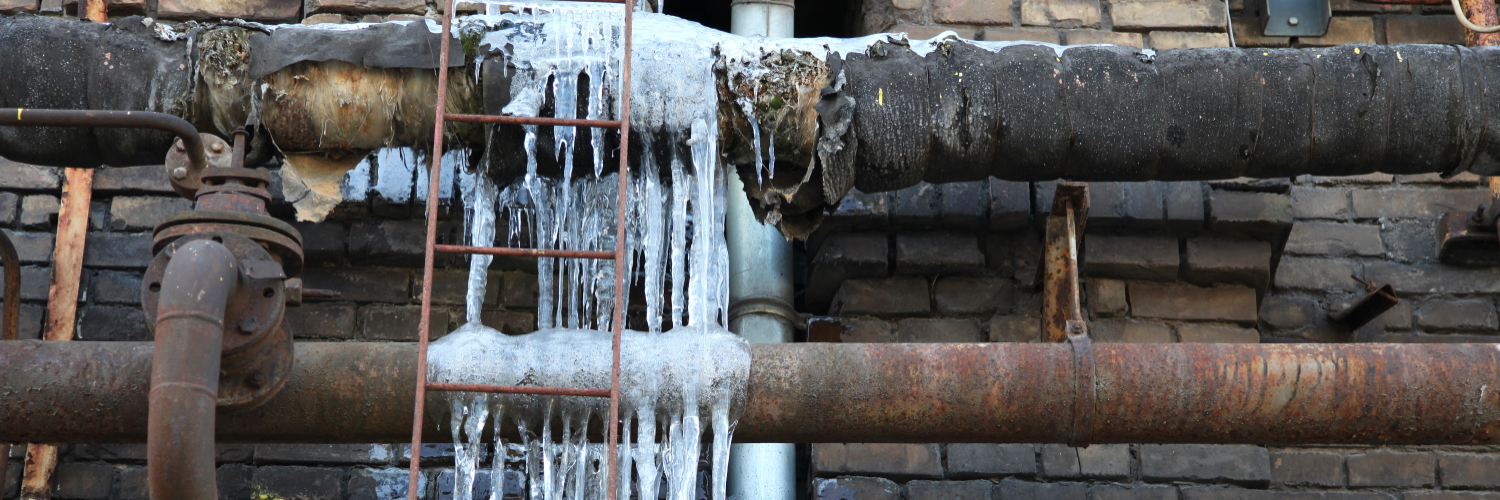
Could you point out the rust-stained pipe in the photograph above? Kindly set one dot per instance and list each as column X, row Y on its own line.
column 94, row 392
column 10, row 323
column 90, row 118
column 185, row 371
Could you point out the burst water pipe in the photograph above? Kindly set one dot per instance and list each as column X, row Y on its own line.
column 185, row 371
column 760, row 283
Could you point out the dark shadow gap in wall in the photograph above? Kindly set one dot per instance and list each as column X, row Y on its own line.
column 830, row 18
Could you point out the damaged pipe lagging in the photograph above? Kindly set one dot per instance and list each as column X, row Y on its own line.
column 95, row 392
column 185, row 371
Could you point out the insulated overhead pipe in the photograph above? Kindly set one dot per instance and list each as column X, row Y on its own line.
column 95, row 392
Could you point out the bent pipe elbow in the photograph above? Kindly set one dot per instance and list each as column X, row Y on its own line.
column 185, row 371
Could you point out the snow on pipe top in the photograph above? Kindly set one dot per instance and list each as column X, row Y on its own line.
column 874, row 113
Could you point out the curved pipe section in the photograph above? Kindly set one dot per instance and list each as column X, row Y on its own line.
column 21, row 117
column 95, row 392
column 185, row 371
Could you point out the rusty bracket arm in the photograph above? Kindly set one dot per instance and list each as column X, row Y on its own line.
column 1061, row 314
column 10, row 326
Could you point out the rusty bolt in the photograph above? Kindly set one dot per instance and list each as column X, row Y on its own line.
column 256, row 380
column 179, row 173
column 218, row 147
column 248, row 324
column 179, row 146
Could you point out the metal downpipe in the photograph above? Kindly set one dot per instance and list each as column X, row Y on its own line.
column 760, row 284
column 185, row 371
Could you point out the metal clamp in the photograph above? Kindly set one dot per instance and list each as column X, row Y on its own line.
column 1084, row 392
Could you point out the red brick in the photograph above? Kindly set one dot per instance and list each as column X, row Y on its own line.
column 1010, row 202
column 13, row 7
column 1257, row 215
column 1203, row 463
column 1106, row 297
column 1211, row 261
column 1320, row 203
column 1088, row 37
column 366, row 6
column 1470, row 471
column 283, row 11
column 1015, row 328
column 1344, row 30
column 1131, row 257
column 1335, row 240
column 1390, row 469
column 1416, row 203
column 1138, row 14
column 1296, row 273
column 872, row 488
column 843, row 256
column 967, row 460
column 867, row 330
column 1186, row 302
column 915, row 461
column 1066, row 13
column 1129, row 331
column 21, row 176
column 1190, row 333
column 927, row 254
column 1162, row 40
column 949, row 490
column 1462, row 314
column 1441, row 29
column 1044, row 35
column 937, row 330
column 882, row 297
column 1433, row 278
column 972, row 11
column 1307, row 468
column 963, row 295
column 321, row 320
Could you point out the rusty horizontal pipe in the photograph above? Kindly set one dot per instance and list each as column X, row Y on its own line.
column 91, row 118
column 95, row 392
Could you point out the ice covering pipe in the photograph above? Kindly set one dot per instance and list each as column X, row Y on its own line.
column 95, row 392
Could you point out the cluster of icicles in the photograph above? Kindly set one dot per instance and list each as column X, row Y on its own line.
column 685, row 374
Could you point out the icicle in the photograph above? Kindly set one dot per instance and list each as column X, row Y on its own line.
column 497, row 461
column 482, row 227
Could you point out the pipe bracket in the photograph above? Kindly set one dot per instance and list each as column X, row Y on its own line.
column 1084, row 391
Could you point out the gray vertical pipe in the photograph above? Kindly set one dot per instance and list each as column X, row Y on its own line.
column 760, row 285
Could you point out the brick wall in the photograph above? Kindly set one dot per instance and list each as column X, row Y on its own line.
column 1155, row 24
column 1264, row 261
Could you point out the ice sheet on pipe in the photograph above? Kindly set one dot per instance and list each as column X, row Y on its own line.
column 383, row 45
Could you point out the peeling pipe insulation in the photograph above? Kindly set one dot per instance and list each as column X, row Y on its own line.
column 877, row 113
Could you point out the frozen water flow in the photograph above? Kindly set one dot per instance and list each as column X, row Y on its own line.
column 672, row 383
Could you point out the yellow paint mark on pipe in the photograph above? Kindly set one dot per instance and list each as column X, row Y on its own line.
column 18, row 113
column 880, row 97
column 1356, row 50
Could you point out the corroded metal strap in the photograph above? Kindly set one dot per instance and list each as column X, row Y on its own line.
column 1083, row 390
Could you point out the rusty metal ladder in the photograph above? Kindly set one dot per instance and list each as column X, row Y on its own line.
column 432, row 248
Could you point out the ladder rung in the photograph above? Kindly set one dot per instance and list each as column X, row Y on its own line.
column 526, row 252
column 529, row 120
column 511, row 389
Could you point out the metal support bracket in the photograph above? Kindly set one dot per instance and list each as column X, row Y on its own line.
column 1060, row 293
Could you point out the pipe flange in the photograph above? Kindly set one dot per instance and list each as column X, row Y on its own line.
column 279, row 237
column 257, row 350
column 180, row 172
